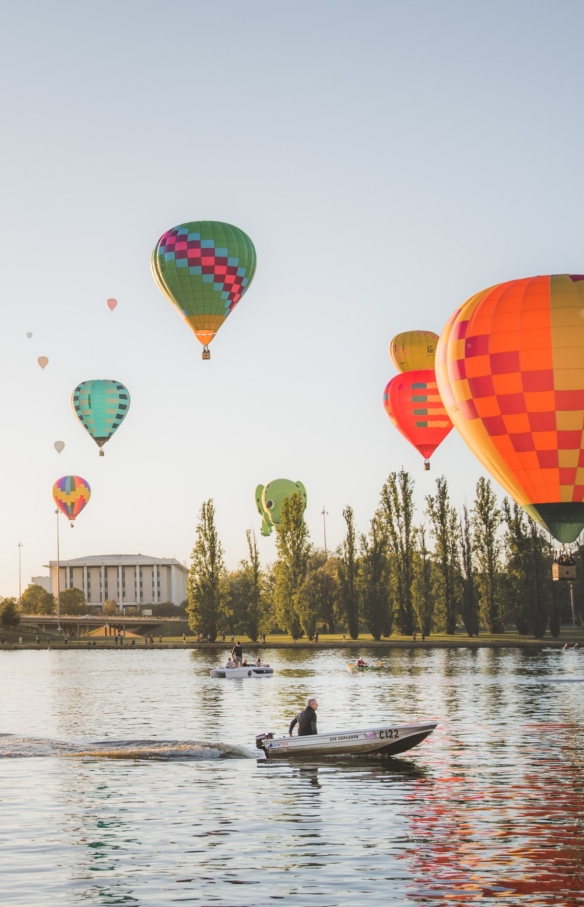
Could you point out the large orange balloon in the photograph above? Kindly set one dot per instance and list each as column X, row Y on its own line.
column 510, row 368
column 413, row 350
column 413, row 404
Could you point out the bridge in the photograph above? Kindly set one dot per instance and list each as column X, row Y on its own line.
column 75, row 625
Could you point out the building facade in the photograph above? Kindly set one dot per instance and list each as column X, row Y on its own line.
column 129, row 579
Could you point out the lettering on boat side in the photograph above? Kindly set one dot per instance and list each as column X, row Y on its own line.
column 346, row 737
column 389, row 734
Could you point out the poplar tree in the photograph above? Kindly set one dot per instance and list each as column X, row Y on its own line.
column 528, row 570
column 422, row 589
column 252, row 591
column 397, row 520
column 207, row 587
column 373, row 579
column 445, row 529
column 294, row 549
column 469, row 603
column 348, row 573
column 486, row 519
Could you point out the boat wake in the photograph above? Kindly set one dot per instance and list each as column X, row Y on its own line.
column 14, row 747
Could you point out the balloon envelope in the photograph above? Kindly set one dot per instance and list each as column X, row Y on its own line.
column 59, row 446
column 29, row 334
column 269, row 500
column 101, row 406
column 413, row 350
column 413, row 404
column 204, row 268
column 43, row 361
column 510, row 367
column 111, row 304
column 71, row 494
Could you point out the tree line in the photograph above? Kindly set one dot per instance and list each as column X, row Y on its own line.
column 487, row 567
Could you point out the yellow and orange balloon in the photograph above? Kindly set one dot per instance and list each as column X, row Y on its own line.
column 510, row 370
column 413, row 350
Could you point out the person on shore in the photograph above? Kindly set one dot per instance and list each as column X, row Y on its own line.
column 237, row 653
column 160, row 640
column 305, row 720
column 316, row 636
column 232, row 639
column 223, row 637
column 184, row 638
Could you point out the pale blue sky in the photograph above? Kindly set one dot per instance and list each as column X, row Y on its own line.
column 387, row 159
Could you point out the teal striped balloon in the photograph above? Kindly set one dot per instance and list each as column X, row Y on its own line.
column 101, row 407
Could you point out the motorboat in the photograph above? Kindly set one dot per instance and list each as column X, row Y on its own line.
column 387, row 739
column 353, row 667
column 244, row 671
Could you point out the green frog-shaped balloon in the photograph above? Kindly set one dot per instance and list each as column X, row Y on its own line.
column 269, row 500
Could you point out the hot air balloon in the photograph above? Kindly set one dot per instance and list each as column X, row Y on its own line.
column 204, row 268
column 111, row 304
column 413, row 350
column 510, row 368
column 413, row 404
column 43, row 361
column 29, row 334
column 59, row 446
column 101, row 407
column 269, row 499
column 71, row 494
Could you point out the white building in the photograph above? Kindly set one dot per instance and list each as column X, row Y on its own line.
column 129, row 579
column 44, row 581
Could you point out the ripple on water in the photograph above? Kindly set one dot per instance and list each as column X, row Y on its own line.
column 147, row 792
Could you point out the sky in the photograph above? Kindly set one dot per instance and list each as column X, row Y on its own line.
column 388, row 160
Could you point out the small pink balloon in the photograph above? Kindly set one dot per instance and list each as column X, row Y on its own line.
column 43, row 361
column 111, row 304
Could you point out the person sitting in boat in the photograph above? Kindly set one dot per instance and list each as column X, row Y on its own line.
column 305, row 720
column 361, row 663
column 229, row 663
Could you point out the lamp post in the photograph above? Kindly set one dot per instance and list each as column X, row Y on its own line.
column 19, row 573
column 58, row 578
column 324, row 516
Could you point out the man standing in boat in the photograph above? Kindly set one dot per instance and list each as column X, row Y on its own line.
column 237, row 654
column 305, row 720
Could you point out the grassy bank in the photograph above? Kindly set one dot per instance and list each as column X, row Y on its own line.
column 280, row 640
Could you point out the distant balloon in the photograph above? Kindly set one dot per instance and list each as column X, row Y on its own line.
column 204, row 267
column 59, row 446
column 269, row 500
column 43, row 361
column 101, row 407
column 413, row 404
column 29, row 334
column 71, row 494
column 413, row 350
column 111, row 304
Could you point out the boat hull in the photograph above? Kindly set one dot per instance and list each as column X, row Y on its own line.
column 387, row 740
column 240, row 673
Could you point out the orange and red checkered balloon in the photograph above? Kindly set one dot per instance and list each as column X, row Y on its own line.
column 510, row 369
column 413, row 404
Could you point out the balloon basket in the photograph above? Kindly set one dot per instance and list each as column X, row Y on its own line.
column 426, row 465
column 101, row 453
column 206, row 354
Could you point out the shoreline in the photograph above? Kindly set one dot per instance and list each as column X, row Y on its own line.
column 470, row 643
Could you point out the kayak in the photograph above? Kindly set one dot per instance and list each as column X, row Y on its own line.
column 355, row 667
column 245, row 671
column 386, row 739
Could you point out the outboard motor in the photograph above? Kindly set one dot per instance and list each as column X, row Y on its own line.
column 260, row 738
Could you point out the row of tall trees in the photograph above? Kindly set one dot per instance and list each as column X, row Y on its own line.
column 485, row 567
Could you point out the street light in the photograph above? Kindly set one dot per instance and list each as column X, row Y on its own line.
column 58, row 579
column 20, row 545
column 324, row 516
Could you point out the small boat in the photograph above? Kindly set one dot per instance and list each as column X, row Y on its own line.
column 353, row 666
column 244, row 671
column 388, row 739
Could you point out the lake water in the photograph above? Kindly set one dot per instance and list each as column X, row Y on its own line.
column 130, row 777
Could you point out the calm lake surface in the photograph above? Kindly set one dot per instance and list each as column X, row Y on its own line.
column 130, row 777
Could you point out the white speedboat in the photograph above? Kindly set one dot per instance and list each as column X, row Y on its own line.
column 245, row 671
column 389, row 739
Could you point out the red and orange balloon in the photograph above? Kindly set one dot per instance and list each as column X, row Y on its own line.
column 510, row 370
column 412, row 402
